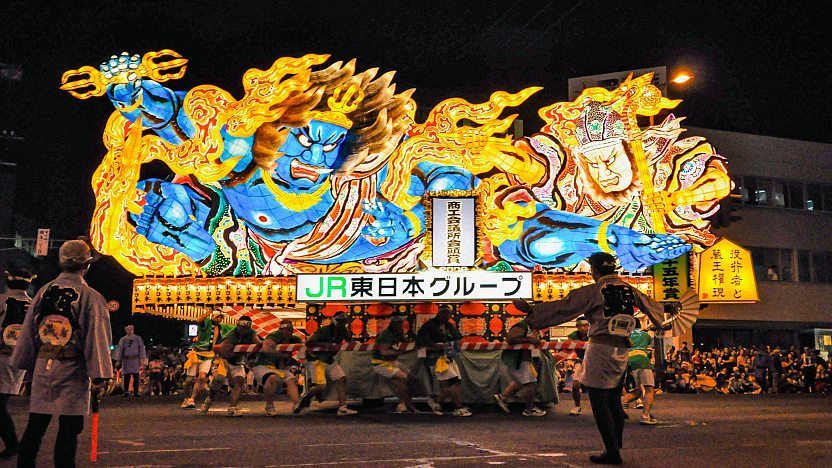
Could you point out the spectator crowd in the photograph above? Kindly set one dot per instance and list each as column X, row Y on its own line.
column 737, row 370
column 758, row 369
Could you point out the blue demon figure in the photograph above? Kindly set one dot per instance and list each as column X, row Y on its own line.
column 304, row 190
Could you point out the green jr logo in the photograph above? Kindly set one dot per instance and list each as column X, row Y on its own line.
column 329, row 287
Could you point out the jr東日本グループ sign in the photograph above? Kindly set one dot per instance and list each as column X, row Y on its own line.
column 425, row 286
column 726, row 274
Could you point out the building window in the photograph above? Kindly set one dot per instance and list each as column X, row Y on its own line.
column 821, row 267
column 814, row 197
column 772, row 264
column 779, row 193
column 794, row 197
column 827, row 197
column 804, row 266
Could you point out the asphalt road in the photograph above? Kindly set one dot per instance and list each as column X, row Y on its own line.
column 694, row 430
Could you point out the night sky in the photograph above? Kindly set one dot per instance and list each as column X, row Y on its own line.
column 761, row 66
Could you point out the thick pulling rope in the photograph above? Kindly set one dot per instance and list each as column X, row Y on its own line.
column 551, row 345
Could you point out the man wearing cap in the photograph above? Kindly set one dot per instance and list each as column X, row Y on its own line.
column 609, row 306
column 385, row 364
column 65, row 347
column 272, row 366
column 242, row 334
column 131, row 354
column 13, row 305
column 201, row 356
column 581, row 333
column 441, row 338
column 321, row 366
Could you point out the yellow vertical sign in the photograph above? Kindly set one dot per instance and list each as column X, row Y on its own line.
column 726, row 274
column 670, row 279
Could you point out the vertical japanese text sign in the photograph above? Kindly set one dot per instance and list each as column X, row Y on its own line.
column 726, row 274
column 454, row 231
column 42, row 245
column 670, row 279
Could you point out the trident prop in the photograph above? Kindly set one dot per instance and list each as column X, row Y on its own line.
column 87, row 81
column 641, row 97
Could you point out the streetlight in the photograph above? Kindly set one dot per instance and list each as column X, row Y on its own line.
column 682, row 78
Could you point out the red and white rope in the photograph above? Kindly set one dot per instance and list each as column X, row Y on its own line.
column 353, row 346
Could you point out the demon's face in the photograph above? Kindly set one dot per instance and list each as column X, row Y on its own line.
column 309, row 155
column 305, row 162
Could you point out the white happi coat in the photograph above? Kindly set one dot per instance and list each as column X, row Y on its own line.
column 603, row 364
column 131, row 352
column 65, row 342
column 13, row 306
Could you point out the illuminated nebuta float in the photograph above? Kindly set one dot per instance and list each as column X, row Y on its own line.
column 319, row 187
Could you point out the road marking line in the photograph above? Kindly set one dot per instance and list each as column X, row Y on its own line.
column 130, row 442
column 813, row 442
column 550, row 454
column 372, row 443
column 166, row 450
column 389, row 460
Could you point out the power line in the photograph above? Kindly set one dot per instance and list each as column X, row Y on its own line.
column 539, row 12
column 556, row 22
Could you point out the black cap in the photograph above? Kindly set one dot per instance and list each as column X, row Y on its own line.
column 601, row 260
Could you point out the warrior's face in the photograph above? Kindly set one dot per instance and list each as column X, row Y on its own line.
column 609, row 167
column 309, row 155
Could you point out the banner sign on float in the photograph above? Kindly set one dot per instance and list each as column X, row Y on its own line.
column 42, row 244
column 670, row 279
column 726, row 274
column 426, row 286
column 454, row 232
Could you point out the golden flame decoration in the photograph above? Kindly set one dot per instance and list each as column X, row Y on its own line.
column 633, row 97
column 441, row 139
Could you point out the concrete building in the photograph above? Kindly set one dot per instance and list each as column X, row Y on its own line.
column 786, row 211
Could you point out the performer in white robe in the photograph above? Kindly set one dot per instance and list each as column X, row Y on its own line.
column 65, row 347
column 13, row 305
column 609, row 305
column 131, row 353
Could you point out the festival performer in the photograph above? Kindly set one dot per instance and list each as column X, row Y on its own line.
column 442, row 338
column 201, row 356
column 385, row 364
column 322, row 370
column 272, row 366
column 521, row 368
column 580, row 334
column 130, row 355
column 641, row 368
column 64, row 346
column 609, row 306
column 322, row 167
column 242, row 334
column 13, row 305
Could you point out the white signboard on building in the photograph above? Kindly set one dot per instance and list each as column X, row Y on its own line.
column 454, row 232
column 42, row 245
column 431, row 286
